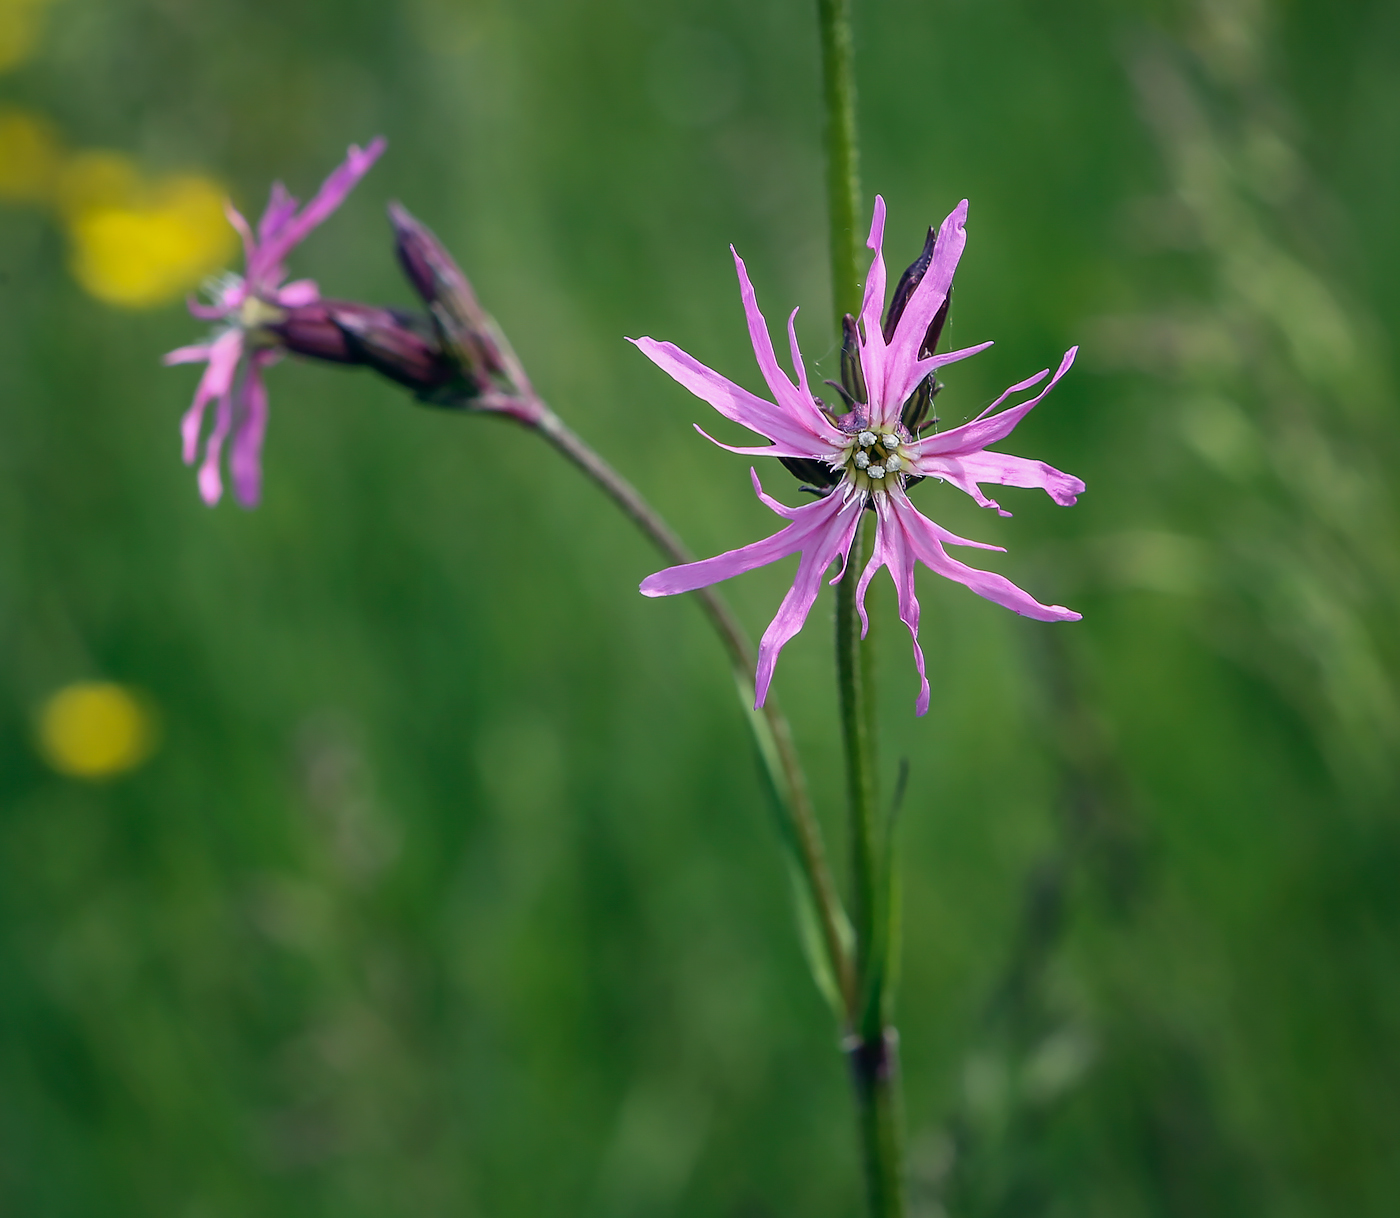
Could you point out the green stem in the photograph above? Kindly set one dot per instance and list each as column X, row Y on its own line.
column 853, row 674
column 871, row 1045
column 842, row 155
column 875, row 1072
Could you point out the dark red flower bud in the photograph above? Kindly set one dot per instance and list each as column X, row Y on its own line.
column 906, row 285
column 467, row 331
column 399, row 345
column 309, row 331
column 395, row 344
column 904, row 289
column 915, row 412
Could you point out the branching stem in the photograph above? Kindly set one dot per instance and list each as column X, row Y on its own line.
column 789, row 781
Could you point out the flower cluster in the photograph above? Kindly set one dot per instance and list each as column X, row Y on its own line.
column 870, row 455
column 246, row 309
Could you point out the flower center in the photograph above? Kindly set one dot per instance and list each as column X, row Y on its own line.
column 874, row 459
column 255, row 312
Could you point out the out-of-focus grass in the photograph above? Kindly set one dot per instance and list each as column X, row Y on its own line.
column 451, row 888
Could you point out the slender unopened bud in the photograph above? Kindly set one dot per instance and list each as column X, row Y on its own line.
column 916, row 412
column 908, row 281
column 399, row 345
column 935, row 327
column 467, row 331
column 310, row 331
column 852, row 375
column 904, row 289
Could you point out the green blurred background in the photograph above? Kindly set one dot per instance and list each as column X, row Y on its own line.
column 451, row 887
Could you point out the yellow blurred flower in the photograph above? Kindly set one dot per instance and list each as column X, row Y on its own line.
column 30, row 157
column 95, row 730
column 137, row 244
column 19, row 30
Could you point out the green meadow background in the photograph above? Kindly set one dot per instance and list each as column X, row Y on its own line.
column 452, row 889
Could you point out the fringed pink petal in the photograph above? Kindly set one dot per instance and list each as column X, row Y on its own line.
column 245, row 456
column 927, row 540
column 950, row 357
column 989, row 428
column 795, row 401
column 186, row 355
column 808, row 521
column 803, row 387
column 829, row 539
column 951, row 471
column 764, row 450
column 903, row 381
column 971, row 469
column 204, row 312
column 947, row 537
column 927, row 299
column 879, row 555
column 821, row 531
column 241, row 226
column 778, row 384
column 892, row 550
column 780, row 509
column 873, row 355
column 298, row 294
column 211, row 485
column 739, row 404
column 281, row 207
column 332, row 194
column 218, row 377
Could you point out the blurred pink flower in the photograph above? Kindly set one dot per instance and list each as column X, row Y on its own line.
column 241, row 346
column 868, row 457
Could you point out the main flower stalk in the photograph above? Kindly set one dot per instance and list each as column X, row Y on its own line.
column 876, row 1080
column 860, row 454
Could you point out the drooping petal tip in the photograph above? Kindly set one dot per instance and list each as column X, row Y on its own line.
column 245, row 456
column 186, row 355
column 877, row 226
column 810, row 435
column 287, row 230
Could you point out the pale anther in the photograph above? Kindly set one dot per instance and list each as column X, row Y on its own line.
column 893, row 463
column 866, row 439
column 876, row 471
column 890, row 440
column 862, row 460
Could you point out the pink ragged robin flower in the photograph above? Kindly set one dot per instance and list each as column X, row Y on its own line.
column 242, row 345
column 870, row 455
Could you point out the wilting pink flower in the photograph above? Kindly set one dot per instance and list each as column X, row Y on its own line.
column 869, row 456
column 242, row 346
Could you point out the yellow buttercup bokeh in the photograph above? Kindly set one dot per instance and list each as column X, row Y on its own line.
column 135, row 241
column 95, row 730
column 153, row 247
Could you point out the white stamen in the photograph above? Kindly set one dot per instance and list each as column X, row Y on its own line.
column 866, row 439
column 890, row 440
column 862, row 460
column 893, row 463
column 876, row 471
